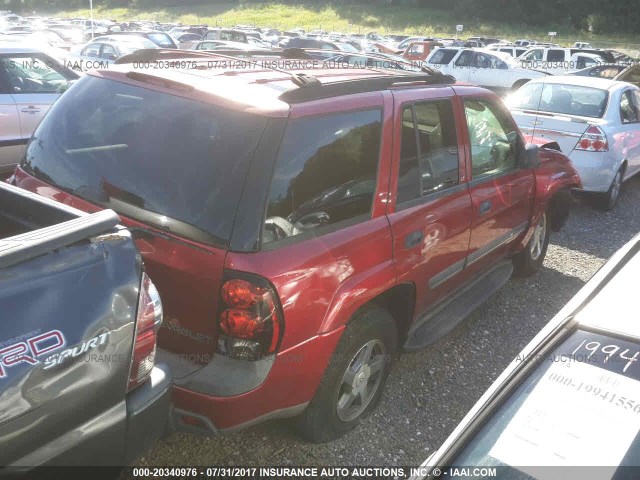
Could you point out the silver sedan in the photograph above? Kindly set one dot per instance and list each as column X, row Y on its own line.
column 596, row 122
column 30, row 82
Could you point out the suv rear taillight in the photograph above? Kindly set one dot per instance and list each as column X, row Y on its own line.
column 593, row 140
column 251, row 320
column 148, row 322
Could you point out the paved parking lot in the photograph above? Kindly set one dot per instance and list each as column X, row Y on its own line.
column 429, row 392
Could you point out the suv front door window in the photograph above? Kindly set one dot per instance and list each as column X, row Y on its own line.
column 500, row 190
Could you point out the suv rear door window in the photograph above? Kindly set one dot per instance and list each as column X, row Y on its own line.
column 325, row 173
column 162, row 159
column 429, row 150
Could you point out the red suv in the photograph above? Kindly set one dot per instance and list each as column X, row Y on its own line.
column 302, row 226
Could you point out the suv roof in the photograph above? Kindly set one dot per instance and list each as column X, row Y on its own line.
column 267, row 84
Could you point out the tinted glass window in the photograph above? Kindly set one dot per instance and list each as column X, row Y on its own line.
column 628, row 111
column 464, row 60
column 109, row 52
column 493, row 138
column 438, row 145
column 325, row 173
column 409, row 174
column 429, row 150
column 442, row 56
column 32, row 74
column 162, row 40
column 163, row 159
column 92, row 50
column 555, row 56
column 533, row 55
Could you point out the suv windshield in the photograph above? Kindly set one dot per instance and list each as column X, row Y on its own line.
column 580, row 407
column 158, row 158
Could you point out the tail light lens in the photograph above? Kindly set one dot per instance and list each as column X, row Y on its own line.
column 251, row 320
column 593, row 140
column 148, row 322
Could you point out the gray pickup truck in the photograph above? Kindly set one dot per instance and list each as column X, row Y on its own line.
column 78, row 325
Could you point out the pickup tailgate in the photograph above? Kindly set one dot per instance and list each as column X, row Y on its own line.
column 68, row 302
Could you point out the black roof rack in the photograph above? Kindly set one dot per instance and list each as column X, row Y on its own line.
column 318, row 91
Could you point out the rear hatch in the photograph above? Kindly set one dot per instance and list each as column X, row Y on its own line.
column 558, row 112
column 173, row 168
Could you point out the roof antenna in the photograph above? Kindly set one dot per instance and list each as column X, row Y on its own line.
column 535, row 121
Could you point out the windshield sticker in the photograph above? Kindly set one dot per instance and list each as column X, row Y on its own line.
column 573, row 404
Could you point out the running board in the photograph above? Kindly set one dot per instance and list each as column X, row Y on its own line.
column 439, row 322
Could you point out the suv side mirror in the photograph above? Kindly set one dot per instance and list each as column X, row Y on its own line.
column 530, row 156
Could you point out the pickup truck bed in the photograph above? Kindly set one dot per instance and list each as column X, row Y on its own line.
column 70, row 289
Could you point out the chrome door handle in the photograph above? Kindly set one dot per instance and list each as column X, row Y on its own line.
column 30, row 110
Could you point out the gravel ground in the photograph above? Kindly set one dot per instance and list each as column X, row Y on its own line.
column 429, row 392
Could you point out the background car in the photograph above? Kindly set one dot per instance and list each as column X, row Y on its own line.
column 495, row 70
column 186, row 39
column 595, row 121
column 621, row 73
column 105, row 50
column 210, row 45
column 161, row 39
column 559, row 61
column 30, row 82
column 577, row 381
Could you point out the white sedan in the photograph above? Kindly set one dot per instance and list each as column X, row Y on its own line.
column 494, row 70
column 595, row 121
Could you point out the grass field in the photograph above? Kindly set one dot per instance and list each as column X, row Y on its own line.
column 352, row 18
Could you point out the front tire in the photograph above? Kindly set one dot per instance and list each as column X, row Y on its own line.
column 353, row 382
column 529, row 261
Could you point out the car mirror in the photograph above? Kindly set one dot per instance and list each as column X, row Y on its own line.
column 530, row 156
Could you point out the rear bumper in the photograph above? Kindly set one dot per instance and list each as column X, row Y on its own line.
column 596, row 169
column 148, row 408
column 116, row 437
column 286, row 391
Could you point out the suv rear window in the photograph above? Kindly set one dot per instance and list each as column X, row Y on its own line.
column 162, row 159
column 325, row 173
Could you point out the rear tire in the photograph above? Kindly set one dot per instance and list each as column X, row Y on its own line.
column 529, row 261
column 353, row 382
column 610, row 199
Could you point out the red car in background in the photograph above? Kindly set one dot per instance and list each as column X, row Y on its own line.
column 302, row 226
